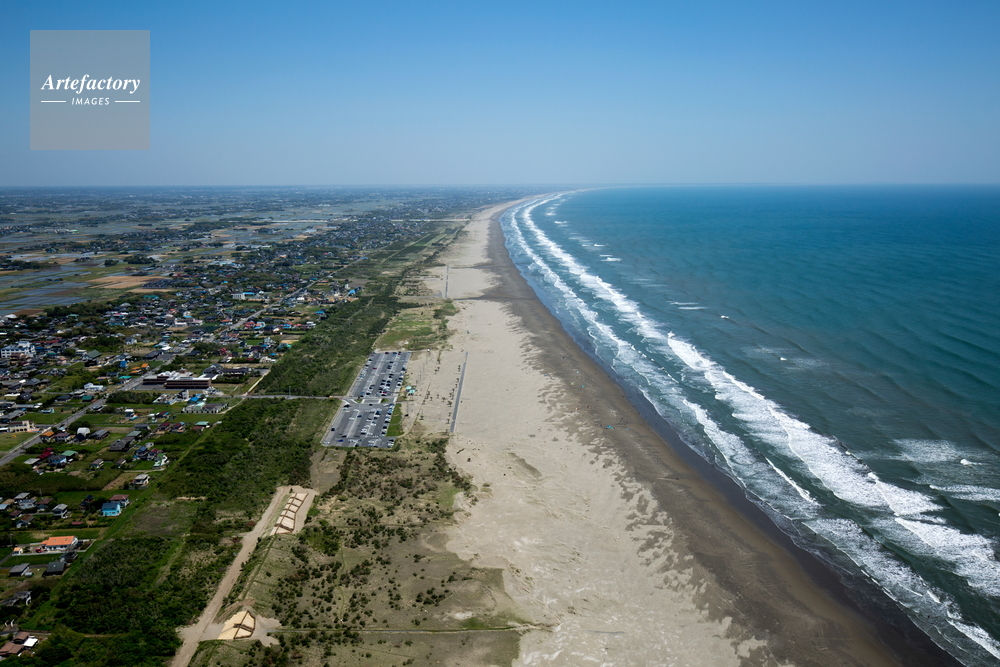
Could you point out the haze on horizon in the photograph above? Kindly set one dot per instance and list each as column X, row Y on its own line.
column 477, row 93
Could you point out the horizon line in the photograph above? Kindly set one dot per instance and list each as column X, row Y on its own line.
column 531, row 185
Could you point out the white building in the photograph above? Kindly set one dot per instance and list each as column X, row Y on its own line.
column 20, row 348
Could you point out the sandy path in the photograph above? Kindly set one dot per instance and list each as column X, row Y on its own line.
column 603, row 535
column 206, row 627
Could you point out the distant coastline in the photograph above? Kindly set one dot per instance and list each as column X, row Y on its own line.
column 772, row 588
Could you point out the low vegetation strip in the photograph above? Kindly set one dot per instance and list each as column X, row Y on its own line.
column 368, row 580
column 249, row 454
column 324, row 361
column 118, row 610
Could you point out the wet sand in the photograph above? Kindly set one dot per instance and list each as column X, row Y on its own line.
column 606, row 536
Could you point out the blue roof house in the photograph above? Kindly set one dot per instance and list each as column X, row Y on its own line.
column 111, row 509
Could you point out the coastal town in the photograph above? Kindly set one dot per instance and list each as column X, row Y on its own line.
column 129, row 337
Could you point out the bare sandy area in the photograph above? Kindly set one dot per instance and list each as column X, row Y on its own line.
column 123, row 282
column 604, row 535
column 208, row 626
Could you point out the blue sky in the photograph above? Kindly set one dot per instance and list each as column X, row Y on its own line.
column 520, row 93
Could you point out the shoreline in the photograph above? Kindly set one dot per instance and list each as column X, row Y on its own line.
column 731, row 577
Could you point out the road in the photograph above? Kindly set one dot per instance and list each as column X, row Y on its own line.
column 35, row 439
column 91, row 407
column 238, row 326
column 280, row 396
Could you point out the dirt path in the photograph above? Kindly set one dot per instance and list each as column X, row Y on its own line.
column 193, row 634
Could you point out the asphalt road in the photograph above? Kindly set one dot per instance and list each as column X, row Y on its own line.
column 96, row 405
column 35, row 439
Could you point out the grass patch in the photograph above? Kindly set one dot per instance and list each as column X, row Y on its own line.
column 395, row 423
column 33, row 559
column 369, row 575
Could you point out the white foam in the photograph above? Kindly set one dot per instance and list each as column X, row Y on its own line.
column 905, row 522
column 624, row 350
column 802, row 492
column 969, row 556
column 759, row 478
column 978, row 635
column 902, row 584
column 822, row 456
column 971, row 492
column 594, row 284
column 903, row 501
column 927, row 451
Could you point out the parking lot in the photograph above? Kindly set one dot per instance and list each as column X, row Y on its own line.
column 363, row 420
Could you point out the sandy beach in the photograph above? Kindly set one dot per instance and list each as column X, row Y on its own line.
column 606, row 537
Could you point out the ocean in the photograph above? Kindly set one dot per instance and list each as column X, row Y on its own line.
column 835, row 351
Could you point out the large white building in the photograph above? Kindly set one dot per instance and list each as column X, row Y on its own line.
column 20, row 348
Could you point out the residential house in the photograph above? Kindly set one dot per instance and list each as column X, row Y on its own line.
column 57, row 461
column 120, row 446
column 10, row 648
column 111, row 509
column 22, row 570
column 54, row 568
column 61, row 543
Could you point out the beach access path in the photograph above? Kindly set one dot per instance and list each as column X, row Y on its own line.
column 206, row 627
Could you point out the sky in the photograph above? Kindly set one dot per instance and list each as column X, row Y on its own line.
column 478, row 93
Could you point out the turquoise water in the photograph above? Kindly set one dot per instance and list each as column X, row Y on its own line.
column 835, row 351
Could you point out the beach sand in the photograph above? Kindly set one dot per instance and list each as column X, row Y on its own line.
column 610, row 543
